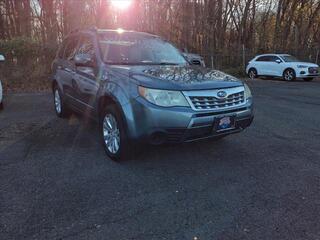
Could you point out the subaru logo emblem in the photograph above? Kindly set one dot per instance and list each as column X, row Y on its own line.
column 221, row 94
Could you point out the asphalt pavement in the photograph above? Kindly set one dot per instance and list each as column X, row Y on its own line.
column 264, row 183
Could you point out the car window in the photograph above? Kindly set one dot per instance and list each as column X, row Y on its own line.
column 86, row 46
column 269, row 58
column 289, row 58
column 263, row 59
column 274, row 58
column 71, row 48
column 137, row 49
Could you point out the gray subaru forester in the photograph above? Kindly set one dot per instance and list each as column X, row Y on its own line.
column 141, row 89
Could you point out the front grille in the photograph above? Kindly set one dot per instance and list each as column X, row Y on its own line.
column 209, row 99
column 313, row 70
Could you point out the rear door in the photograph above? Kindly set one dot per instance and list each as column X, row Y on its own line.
column 68, row 68
column 261, row 64
column 86, row 81
column 268, row 65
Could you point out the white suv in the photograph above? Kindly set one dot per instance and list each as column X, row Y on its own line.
column 281, row 65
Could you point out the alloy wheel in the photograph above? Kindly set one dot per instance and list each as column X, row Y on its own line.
column 252, row 74
column 289, row 75
column 57, row 101
column 111, row 133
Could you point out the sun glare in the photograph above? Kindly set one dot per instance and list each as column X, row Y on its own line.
column 120, row 30
column 121, row 4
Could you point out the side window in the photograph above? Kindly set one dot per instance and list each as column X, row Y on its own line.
column 262, row 59
column 71, row 48
column 86, row 46
column 274, row 58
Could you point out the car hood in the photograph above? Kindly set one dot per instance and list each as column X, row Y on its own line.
column 306, row 64
column 178, row 77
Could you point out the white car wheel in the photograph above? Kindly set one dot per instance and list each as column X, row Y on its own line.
column 289, row 75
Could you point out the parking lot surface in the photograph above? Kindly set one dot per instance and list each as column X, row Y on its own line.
column 57, row 183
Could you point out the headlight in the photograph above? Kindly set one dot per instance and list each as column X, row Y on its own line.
column 247, row 91
column 302, row 66
column 163, row 98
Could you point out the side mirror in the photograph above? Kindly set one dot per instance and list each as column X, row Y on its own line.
column 195, row 62
column 2, row 58
column 278, row 61
column 83, row 60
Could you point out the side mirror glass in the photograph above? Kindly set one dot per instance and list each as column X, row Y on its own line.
column 83, row 60
column 2, row 58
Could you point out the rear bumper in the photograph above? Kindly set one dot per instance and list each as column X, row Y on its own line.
column 156, row 125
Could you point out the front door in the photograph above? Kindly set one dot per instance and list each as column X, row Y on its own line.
column 275, row 66
column 86, row 76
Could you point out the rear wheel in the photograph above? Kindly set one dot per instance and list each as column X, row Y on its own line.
column 252, row 73
column 289, row 75
column 308, row 79
column 60, row 106
column 114, row 137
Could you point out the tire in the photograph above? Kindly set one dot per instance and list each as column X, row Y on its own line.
column 60, row 106
column 113, row 134
column 289, row 75
column 252, row 73
column 307, row 79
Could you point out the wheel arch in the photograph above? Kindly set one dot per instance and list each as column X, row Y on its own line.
column 253, row 68
column 106, row 100
column 289, row 68
column 55, row 83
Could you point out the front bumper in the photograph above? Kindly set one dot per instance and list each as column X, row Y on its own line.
column 306, row 73
column 157, row 125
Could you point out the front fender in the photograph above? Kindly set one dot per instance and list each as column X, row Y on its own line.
column 122, row 100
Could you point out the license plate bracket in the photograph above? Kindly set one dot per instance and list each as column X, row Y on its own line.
column 225, row 123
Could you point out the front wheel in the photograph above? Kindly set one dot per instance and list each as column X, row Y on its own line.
column 115, row 140
column 289, row 75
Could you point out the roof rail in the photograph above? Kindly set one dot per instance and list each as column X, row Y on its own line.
column 91, row 29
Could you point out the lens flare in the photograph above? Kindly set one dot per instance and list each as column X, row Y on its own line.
column 120, row 30
column 121, row 4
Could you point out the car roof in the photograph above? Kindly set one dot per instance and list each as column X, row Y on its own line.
column 124, row 31
column 120, row 31
column 273, row 54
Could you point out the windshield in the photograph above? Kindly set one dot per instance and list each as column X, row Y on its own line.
column 289, row 58
column 138, row 49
